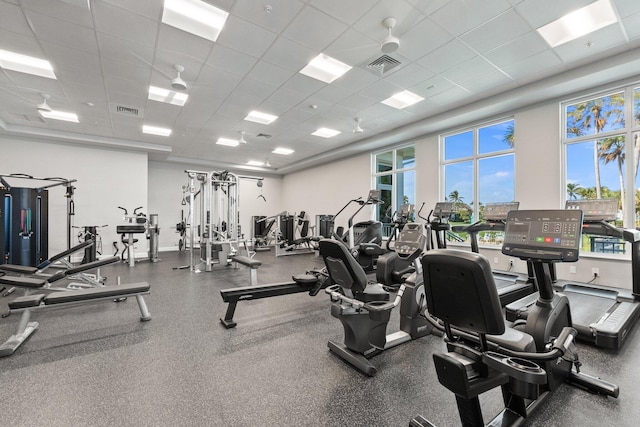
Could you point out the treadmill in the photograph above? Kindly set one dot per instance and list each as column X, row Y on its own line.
column 602, row 315
column 511, row 286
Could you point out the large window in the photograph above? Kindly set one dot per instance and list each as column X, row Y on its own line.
column 478, row 168
column 597, row 137
column 394, row 175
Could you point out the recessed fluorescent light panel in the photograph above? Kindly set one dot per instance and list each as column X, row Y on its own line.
column 255, row 163
column 262, row 118
column 578, row 23
column 402, row 99
column 326, row 132
column 284, row 151
column 26, row 64
column 168, row 96
column 60, row 115
column 227, row 142
column 325, row 68
column 195, row 17
column 154, row 130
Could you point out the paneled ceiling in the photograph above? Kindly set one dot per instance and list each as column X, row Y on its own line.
column 469, row 59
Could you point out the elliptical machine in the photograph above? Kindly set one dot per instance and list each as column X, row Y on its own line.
column 392, row 270
column 482, row 353
column 364, row 309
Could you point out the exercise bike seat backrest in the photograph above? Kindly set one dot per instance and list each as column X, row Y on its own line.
column 460, row 291
column 345, row 271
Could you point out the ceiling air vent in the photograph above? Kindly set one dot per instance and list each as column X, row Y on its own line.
column 263, row 135
column 126, row 110
column 383, row 65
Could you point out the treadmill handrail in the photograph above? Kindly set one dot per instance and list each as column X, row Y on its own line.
column 604, row 228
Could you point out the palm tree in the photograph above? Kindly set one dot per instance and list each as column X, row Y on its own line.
column 595, row 113
column 572, row 190
column 612, row 149
column 454, row 197
column 509, row 136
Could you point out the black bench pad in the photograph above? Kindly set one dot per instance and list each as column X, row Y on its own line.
column 133, row 228
column 249, row 262
column 19, row 269
column 91, row 265
column 23, row 282
column 79, row 295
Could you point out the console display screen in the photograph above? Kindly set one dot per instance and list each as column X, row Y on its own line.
column 498, row 211
column 595, row 209
column 443, row 209
column 548, row 235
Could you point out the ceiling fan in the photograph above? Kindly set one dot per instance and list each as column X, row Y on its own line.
column 42, row 106
column 357, row 128
column 176, row 81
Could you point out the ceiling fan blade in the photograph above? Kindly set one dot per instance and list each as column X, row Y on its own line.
column 152, row 66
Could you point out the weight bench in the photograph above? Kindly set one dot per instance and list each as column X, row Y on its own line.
column 37, row 281
column 28, row 303
column 253, row 265
column 300, row 283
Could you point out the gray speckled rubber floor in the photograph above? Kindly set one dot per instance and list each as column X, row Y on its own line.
column 98, row 365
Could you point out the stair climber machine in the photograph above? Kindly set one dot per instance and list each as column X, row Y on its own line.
column 511, row 286
column 482, row 353
column 602, row 315
column 365, row 237
column 392, row 270
column 364, row 309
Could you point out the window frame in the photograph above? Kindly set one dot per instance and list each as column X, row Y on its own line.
column 394, row 172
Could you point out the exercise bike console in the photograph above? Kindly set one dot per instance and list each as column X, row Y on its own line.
column 543, row 235
column 410, row 242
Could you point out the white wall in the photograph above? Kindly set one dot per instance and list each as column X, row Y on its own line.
column 105, row 179
column 165, row 197
column 327, row 188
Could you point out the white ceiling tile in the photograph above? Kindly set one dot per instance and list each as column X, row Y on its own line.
column 345, row 11
column 231, row 60
column 428, row 7
column 409, row 75
column 281, row 14
column 13, row 19
column 517, row 49
column 60, row 10
column 22, row 44
column 149, row 9
column 119, row 22
column 453, row 95
column 303, row 84
column 626, row 8
column 534, row 67
column 540, row 12
column 353, row 48
column 269, row 73
column 500, row 30
column 460, row 16
column 425, row 37
column 381, row 90
column 468, row 70
column 182, row 46
column 405, row 14
column 356, row 80
column 289, row 54
column 447, row 56
column 287, row 97
column 632, row 26
column 600, row 40
column 314, row 29
column 245, row 37
column 63, row 33
column 487, row 82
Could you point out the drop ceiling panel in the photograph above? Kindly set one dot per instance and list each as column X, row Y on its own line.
column 303, row 84
column 281, row 14
column 409, row 75
column 356, row 80
column 24, row 45
column 425, row 37
column 133, row 27
column 468, row 70
column 231, row 60
column 246, row 37
column 632, row 25
column 371, row 22
column 314, row 29
column 289, row 54
column 500, row 30
column 269, row 73
column 149, row 9
column 531, row 68
column 180, row 45
column 584, row 47
column 460, row 16
column 63, row 33
column 287, row 97
column 517, row 49
column 60, row 10
column 352, row 47
column 13, row 19
column 449, row 55
column 540, row 12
